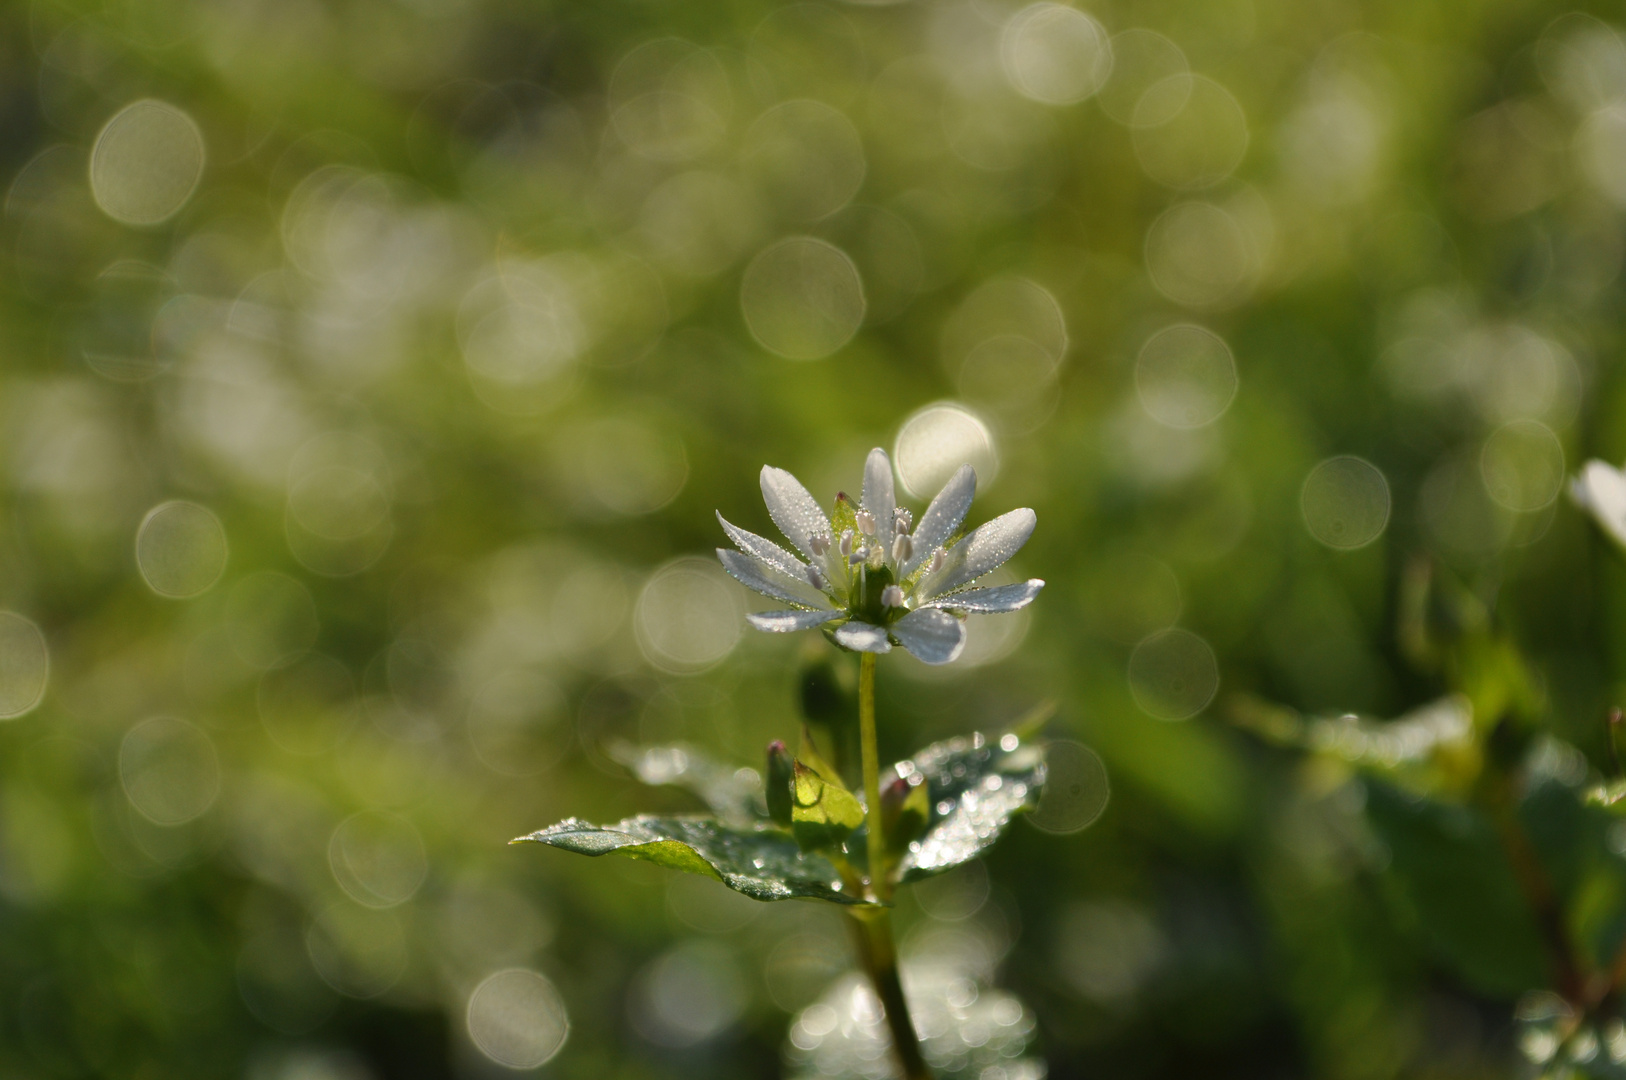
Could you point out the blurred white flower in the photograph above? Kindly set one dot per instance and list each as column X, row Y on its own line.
column 1600, row 490
column 874, row 574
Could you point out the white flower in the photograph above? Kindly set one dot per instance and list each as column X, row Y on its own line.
column 1600, row 490
column 867, row 572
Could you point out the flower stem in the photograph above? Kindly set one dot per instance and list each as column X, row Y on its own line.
column 872, row 777
column 872, row 930
column 873, row 926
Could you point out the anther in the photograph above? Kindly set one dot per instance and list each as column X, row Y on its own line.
column 939, row 557
column 892, row 596
column 866, row 522
column 903, row 519
column 857, row 557
column 815, row 578
column 818, row 544
column 903, row 549
column 846, row 543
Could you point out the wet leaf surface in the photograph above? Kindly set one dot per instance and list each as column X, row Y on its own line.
column 763, row 863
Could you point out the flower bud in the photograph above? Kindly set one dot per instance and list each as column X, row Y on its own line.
column 892, row 596
column 902, row 549
column 866, row 522
column 781, row 776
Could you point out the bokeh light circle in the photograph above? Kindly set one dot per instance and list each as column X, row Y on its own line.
column 806, row 157
column 1199, row 256
column 1189, row 132
column 1523, row 465
column 936, row 441
column 1076, row 788
column 802, row 298
column 688, row 616
column 1345, row 502
column 169, row 769
column 1055, row 54
column 378, row 859
column 146, row 163
column 180, row 549
column 1140, row 59
column 360, row 952
column 25, row 665
column 517, row 1019
column 1173, row 674
column 1186, row 376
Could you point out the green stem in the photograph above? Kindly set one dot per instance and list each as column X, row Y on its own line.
column 872, row 930
column 872, row 777
column 873, row 926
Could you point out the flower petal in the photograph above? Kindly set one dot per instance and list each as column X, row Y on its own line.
column 1600, row 490
column 863, row 637
column 932, row 635
column 879, row 497
column 783, row 622
column 753, row 575
column 987, row 547
column 943, row 516
column 993, row 600
column 797, row 513
column 764, row 551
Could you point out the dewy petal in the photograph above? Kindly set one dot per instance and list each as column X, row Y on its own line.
column 932, row 635
column 863, row 637
column 993, row 600
column 797, row 513
column 943, row 516
column 1600, row 490
column 986, row 548
column 784, row 622
column 753, row 575
column 764, row 551
column 879, row 497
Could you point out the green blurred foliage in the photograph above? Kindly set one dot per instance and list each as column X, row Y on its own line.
column 368, row 392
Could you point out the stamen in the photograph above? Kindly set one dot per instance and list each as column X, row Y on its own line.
column 939, row 557
column 903, row 548
column 904, row 520
column 846, row 542
column 857, row 557
column 818, row 544
column 892, row 596
column 866, row 522
column 815, row 578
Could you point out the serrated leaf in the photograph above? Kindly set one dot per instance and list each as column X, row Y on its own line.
column 733, row 794
column 763, row 863
column 974, row 788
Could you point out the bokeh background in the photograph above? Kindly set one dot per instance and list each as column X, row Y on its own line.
column 371, row 371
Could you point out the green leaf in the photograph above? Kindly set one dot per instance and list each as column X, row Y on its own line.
column 974, row 788
column 1450, row 871
column 733, row 794
column 763, row 863
column 823, row 812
